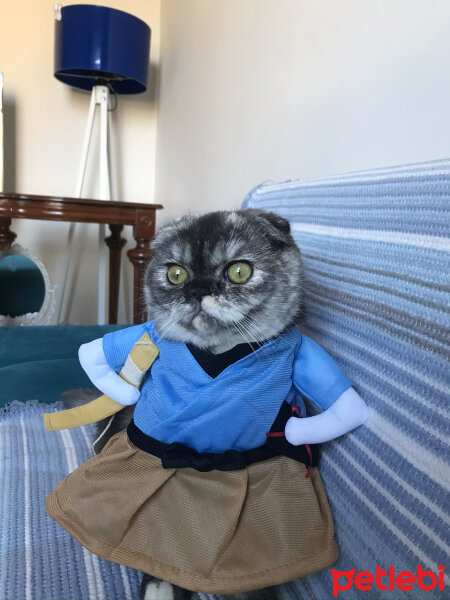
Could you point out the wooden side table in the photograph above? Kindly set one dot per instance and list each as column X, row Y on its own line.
column 113, row 213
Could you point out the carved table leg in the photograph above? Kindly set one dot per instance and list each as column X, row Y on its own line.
column 115, row 244
column 6, row 236
column 140, row 257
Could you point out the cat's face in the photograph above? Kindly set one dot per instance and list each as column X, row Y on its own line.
column 224, row 278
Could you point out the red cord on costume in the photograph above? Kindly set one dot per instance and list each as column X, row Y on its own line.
column 282, row 434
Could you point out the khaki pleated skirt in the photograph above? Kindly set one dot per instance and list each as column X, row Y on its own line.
column 213, row 532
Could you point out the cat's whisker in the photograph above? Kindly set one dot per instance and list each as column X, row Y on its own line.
column 284, row 328
column 253, row 327
column 251, row 335
column 250, row 338
column 252, row 332
column 240, row 332
column 169, row 325
column 176, row 318
column 252, row 342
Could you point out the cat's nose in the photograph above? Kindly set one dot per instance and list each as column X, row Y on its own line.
column 199, row 294
column 200, row 288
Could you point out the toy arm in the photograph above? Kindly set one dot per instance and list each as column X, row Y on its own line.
column 346, row 413
column 141, row 357
column 93, row 360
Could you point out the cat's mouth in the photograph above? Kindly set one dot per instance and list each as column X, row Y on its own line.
column 203, row 321
column 207, row 315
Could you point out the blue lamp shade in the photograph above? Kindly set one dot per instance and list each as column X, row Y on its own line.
column 96, row 44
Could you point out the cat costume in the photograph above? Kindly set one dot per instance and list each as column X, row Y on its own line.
column 195, row 492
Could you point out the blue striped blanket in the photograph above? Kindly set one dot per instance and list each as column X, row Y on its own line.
column 38, row 559
column 376, row 250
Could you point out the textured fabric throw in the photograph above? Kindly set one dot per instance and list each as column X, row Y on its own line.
column 376, row 250
column 38, row 559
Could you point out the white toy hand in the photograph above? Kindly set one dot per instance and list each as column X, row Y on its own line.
column 346, row 413
column 93, row 360
column 296, row 431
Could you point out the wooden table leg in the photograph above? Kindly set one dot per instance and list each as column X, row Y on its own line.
column 6, row 235
column 115, row 244
column 140, row 256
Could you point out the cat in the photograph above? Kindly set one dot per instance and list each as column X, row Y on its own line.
column 214, row 314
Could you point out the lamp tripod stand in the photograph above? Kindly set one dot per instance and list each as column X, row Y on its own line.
column 99, row 98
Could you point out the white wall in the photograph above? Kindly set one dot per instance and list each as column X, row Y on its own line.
column 250, row 90
column 44, row 129
column 282, row 89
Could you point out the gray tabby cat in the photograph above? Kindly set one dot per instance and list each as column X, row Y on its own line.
column 212, row 312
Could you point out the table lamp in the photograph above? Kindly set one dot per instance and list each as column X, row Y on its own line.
column 101, row 50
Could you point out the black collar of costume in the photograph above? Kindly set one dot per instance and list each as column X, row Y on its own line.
column 214, row 364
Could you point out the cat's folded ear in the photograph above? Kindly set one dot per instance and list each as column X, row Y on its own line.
column 282, row 228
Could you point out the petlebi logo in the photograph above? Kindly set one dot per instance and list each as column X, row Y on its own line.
column 388, row 579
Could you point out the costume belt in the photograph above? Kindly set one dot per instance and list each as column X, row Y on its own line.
column 179, row 456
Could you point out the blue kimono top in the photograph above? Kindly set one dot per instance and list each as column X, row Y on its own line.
column 180, row 402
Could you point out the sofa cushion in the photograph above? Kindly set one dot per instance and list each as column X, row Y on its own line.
column 39, row 363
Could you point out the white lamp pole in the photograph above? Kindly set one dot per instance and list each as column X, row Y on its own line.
column 99, row 97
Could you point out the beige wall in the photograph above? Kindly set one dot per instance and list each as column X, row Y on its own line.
column 281, row 89
column 44, row 129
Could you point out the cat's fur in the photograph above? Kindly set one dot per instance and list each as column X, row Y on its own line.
column 210, row 311
column 229, row 313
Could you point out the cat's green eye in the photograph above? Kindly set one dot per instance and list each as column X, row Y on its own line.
column 239, row 272
column 176, row 274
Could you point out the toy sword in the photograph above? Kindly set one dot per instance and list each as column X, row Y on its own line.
column 140, row 359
